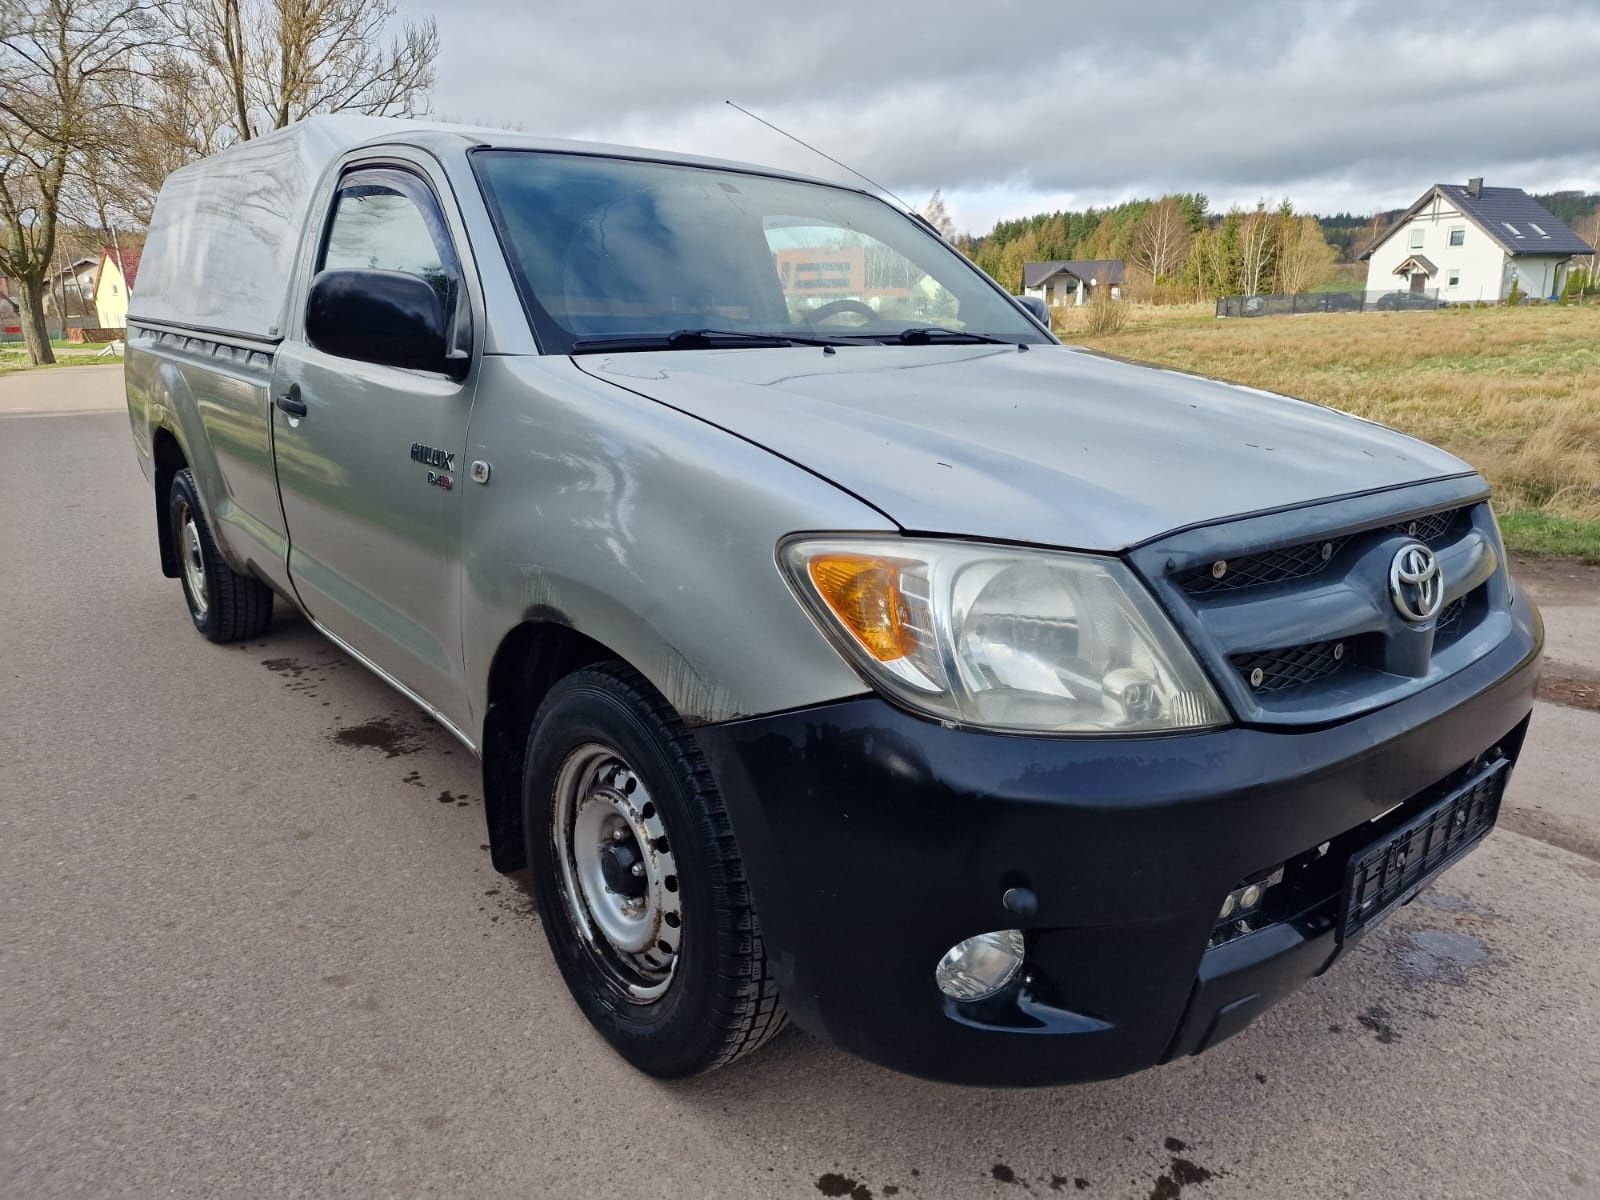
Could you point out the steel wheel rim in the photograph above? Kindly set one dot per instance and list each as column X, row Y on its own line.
column 603, row 809
column 193, row 558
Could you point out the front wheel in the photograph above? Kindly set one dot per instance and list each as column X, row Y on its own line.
column 639, row 881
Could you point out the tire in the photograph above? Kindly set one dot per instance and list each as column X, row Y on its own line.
column 610, row 764
column 224, row 605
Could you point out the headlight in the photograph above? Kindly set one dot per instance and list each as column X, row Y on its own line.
column 1022, row 640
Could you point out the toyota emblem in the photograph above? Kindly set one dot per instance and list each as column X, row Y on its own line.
column 1416, row 585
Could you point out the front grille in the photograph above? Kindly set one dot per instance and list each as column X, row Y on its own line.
column 1431, row 528
column 1451, row 616
column 1293, row 613
column 1390, row 872
column 1254, row 570
column 1308, row 558
column 1274, row 670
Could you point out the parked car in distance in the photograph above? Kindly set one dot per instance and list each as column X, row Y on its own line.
column 1338, row 302
column 1403, row 300
column 839, row 647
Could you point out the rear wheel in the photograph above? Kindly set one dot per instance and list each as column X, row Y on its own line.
column 639, row 881
column 224, row 605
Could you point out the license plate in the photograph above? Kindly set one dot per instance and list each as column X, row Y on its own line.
column 1392, row 870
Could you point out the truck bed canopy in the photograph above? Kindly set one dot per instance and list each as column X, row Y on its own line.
column 222, row 242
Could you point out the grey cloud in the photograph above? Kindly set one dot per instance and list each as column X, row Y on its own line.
column 1264, row 97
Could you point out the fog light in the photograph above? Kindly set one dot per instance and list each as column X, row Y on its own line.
column 980, row 966
column 1241, row 908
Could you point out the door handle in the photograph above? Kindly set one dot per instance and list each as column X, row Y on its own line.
column 291, row 403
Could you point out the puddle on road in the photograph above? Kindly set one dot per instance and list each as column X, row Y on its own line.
column 1439, row 956
column 393, row 737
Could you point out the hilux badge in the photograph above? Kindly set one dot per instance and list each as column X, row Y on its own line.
column 1416, row 584
column 433, row 457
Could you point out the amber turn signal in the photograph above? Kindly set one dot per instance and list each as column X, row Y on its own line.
column 864, row 593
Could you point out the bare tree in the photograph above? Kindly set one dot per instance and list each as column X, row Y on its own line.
column 1589, row 230
column 218, row 37
column 101, row 99
column 1304, row 258
column 268, row 63
column 60, row 65
column 1257, row 230
column 935, row 214
column 1369, row 235
column 1161, row 242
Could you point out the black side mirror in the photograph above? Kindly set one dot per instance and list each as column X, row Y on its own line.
column 1037, row 307
column 385, row 317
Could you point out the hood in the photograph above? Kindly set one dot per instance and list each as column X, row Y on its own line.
column 1054, row 446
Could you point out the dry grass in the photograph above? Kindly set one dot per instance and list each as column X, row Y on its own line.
column 1515, row 392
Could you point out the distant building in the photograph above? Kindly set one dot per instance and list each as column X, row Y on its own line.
column 1072, row 281
column 118, row 270
column 827, row 272
column 1472, row 243
column 69, row 292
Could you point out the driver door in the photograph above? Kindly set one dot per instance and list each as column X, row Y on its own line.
column 369, row 456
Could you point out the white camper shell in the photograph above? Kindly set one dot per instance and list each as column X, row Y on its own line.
column 222, row 241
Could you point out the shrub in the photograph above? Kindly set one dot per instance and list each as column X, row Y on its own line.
column 1103, row 314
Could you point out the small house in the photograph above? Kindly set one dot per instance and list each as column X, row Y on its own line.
column 1072, row 281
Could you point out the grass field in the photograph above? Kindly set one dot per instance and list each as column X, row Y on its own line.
column 14, row 355
column 1515, row 392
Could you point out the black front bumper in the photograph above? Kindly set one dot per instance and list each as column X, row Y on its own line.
column 874, row 840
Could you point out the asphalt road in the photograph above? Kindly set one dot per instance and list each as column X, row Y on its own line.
column 252, row 945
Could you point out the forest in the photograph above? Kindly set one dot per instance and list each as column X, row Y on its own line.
column 1176, row 250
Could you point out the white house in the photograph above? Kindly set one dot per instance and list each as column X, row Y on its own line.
column 1071, row 281
column 1471, row 243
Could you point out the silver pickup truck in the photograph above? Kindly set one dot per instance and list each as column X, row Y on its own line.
column 837, row 644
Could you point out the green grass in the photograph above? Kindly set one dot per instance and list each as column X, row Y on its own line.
column 14, row 359
column 1534, row 532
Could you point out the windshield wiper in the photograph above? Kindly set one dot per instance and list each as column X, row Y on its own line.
column 694, row 339
column 920, row 334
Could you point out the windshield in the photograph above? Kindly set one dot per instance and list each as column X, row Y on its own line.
column 617, row 254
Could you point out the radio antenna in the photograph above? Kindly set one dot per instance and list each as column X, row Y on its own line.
column 825, row 155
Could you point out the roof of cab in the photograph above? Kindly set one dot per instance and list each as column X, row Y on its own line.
column 221, row 247
column 425, row 133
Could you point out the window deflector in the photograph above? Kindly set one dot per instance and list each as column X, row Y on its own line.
column 397, row 181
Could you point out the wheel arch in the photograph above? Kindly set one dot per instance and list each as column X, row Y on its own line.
column 531, row 659
column 169, row 458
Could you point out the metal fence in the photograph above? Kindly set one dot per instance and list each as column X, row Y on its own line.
column 11, row 329
column 1324, row 302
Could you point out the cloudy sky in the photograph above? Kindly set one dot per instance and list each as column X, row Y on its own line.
column 1012, row 108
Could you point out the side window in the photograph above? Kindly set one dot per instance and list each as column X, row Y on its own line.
column 387, row 220
column 1416, row 237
